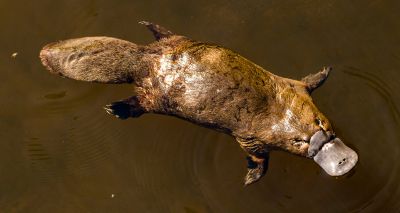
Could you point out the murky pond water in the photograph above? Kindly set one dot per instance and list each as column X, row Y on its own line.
column 60, row 152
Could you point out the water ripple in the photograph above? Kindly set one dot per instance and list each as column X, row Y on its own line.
column 391, row 186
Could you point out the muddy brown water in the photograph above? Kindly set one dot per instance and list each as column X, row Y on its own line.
column 60, row 152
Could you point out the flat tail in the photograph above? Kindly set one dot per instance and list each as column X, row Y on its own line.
column 97, row 59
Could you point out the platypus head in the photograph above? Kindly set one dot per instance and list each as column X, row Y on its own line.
column 302, row 129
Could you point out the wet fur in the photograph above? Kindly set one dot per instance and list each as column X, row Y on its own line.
column 203, row 83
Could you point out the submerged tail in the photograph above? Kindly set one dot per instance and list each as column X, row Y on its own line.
column 97, row 59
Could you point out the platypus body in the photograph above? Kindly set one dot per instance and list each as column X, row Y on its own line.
column 211, row 86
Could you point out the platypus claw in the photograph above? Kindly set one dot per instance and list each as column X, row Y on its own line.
column 125, row 108
column 314, row 81
column 253, row 175
column 255, row 170
column 158, row 31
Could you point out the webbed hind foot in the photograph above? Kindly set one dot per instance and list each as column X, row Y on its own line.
column 158, row 31
column 125, row 108
column 256, row 169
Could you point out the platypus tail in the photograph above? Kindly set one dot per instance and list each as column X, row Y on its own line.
column 96, row 59
column 101, row 59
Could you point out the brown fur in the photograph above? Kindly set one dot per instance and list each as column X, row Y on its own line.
column 202, row 83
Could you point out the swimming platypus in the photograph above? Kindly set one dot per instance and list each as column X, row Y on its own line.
column 211, row 86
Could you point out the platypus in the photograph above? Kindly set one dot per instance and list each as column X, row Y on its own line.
column 211, row 86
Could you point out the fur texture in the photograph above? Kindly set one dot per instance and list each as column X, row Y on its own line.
column 203, row 83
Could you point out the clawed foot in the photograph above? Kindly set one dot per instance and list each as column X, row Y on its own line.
column 158, row 31
column 313, row 81
column 125, row 108
column 256, row 168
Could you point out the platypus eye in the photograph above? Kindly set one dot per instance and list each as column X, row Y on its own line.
column 319, row 123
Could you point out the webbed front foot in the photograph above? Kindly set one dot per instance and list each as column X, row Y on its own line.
column 256, row 169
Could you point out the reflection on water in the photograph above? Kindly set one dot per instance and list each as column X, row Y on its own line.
column 60, row 152
column 55, row 95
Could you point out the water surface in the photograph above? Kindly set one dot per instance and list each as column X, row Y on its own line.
column 60, row 152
